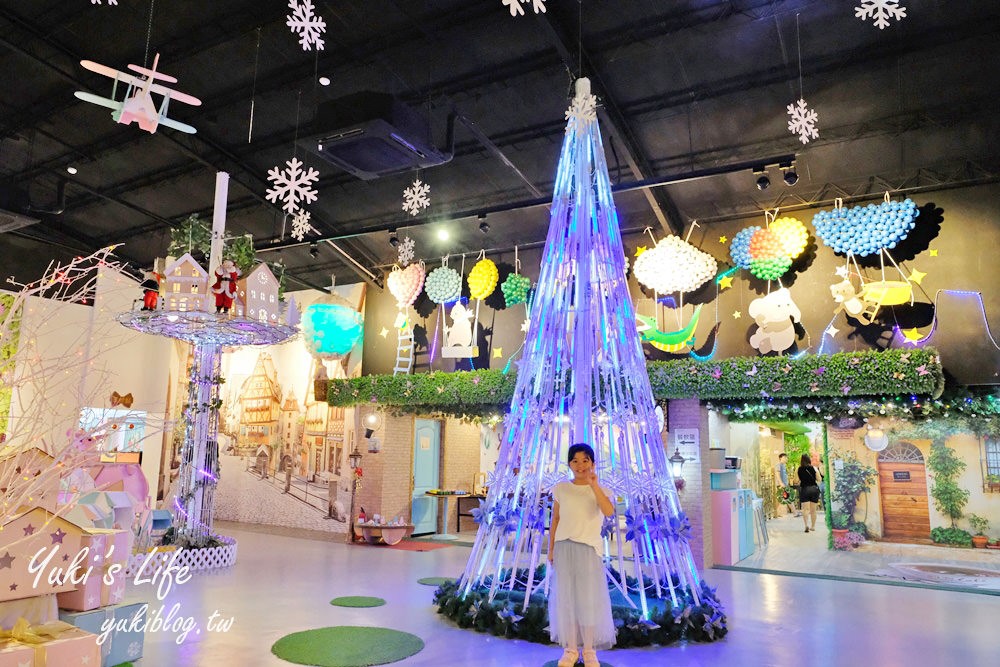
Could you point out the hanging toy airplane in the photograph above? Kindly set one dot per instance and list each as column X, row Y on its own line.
column 137, row 105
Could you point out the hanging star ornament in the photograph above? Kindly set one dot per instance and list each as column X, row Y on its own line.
column 641, row 249
column 384, row 332
column 841, row 271
column 498, row 353
column 917, row 276
column 723, row 239
column 726, row 282
column 832, row 331
column 911, row 335
column 934, row 253
column 525, row 324
column 737, row 314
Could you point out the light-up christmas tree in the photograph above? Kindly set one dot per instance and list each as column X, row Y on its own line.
column 583, row 379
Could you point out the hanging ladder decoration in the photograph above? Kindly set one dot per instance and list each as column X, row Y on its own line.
column 582, row 379
column 406, row 285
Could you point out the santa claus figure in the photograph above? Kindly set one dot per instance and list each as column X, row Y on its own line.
column 225, row 286
column 150, row 290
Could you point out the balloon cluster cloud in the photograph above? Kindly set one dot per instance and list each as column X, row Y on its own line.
column 768, row 253
column 483, row 279
column 739, row 247
column 406, row 284
column 443, row 285
column 674, row 265
column 866, row 230
column 515, row 289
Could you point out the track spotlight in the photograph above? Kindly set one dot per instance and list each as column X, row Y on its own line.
column 788, row 173
column 314, row 249
column 484, row 226
column 393, row 239
column 763, row 182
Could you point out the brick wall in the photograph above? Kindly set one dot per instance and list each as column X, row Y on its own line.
column 695, row 498
column 459, row 463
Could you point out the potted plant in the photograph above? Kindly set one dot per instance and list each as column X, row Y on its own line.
column 995, row 544
column 993, row 482
column 838, row 524
column 979, row 525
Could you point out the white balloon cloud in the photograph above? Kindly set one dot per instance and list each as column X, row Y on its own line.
column 674, row 265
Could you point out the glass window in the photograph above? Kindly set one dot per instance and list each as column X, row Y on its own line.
column 992, row 457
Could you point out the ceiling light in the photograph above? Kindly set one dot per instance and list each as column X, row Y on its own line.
column 788, row 173
column 763, row 182
column 443, row 234
column 71, row 170
column 393, row 239
column 314, row 249
column 324, row 81
column 484, row 226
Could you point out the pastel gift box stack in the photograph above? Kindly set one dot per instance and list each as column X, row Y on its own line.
column 107, row 556
column 124, row 642
column 51, row 644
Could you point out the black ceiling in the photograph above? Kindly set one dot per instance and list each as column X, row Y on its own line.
column 685, row 86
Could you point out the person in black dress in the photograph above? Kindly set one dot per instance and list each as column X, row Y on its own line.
column 809, row 492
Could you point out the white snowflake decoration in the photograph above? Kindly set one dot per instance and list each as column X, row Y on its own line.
column 517, row 10
column 304, row 22
column 110, row 2
column 416, row 197
column 803, row 121
column 581, row 112
column 406, row 251
column 881, row 11
column 292, row 185
column 135, row 649
column 301, row 225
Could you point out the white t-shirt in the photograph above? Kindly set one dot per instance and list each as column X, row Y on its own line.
column 580, row 517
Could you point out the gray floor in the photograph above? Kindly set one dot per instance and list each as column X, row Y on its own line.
column 283, row 584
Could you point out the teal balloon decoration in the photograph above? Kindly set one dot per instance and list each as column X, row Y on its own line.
column 866, row 230
column 515, row 289
column 443, row 285
column 331, row 328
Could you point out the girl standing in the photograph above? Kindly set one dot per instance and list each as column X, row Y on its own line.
column 809, row 494
column 579, row 603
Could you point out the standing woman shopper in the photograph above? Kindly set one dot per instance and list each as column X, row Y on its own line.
column 809, row 493
column 579, row 603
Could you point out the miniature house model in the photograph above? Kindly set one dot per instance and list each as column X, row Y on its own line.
column 185, row 286
column 257, row 296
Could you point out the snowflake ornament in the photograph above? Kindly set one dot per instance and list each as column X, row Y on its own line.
column 881, row 11
column 301, row 225
column 406, row 251
column 582, row 111
column 292, row 185
column 304, row 23
column 803, row 121
column 110, row 2
column 416, row 197
column 135, row 649
column 517, row 10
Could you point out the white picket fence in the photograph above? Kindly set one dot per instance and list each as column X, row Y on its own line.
column 194, row 559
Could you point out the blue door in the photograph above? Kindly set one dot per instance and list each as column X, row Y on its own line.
column 426, row 470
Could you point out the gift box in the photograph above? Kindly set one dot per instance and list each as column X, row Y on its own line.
column 114, row 593
column 47, row 645
column 121, row 540
column 87, row 595
column 36, row 610
column 119, row 646
column 24, row 536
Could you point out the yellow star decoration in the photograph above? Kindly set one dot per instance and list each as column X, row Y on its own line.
column 934, row 253
column 384, row 332
column 726, row 282
column 916, row 276
column 737, row 314
column 498, row 353
column 641, row 249
column 723, row 239
column 912, row 335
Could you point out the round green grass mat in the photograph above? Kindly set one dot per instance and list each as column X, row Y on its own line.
column 435, row 581
column 347, row 646
column 357, row 601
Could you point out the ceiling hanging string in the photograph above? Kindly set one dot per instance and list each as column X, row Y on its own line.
column 579, row 40
column 149, row 33
column 253, row 87
column 798, row 45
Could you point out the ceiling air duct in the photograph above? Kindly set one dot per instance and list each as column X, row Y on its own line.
column 372, row 135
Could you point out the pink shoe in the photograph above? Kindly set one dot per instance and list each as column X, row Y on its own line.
column 590, row 659
column 568, row 659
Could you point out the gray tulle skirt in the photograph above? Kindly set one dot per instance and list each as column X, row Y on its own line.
column 579, row 603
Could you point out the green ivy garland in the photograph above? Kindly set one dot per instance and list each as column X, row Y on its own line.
column 764, row 380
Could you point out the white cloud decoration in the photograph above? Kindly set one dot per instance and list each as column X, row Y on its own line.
column 674, row 265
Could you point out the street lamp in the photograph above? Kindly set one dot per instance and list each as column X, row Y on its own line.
column 676, row 463
column 355, row 461
column 354, row 458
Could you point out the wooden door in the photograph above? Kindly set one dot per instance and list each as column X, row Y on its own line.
column 902, row 480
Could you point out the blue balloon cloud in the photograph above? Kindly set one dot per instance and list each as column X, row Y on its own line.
column 865, row 230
